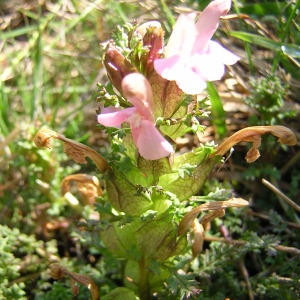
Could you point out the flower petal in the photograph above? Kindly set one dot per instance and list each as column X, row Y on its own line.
column 136, row 88
column 187, row 77
column 224, row 55
column 208, row 23
column 115, row 118
column 150, row 143
column 183, row 36
column 170, row 67
column 209, row 67
column 190, row 82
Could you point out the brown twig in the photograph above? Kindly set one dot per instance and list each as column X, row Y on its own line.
column 281, row 195
column 245, row 275
column 266, row 217
column 290, row 250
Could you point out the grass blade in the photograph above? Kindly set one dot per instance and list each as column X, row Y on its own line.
column 217, row 110
column 287, row 49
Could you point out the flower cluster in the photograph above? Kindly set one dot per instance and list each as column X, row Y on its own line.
column 190, row 59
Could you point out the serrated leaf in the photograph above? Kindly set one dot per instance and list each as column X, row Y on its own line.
column 188, row 186
column 154, row 168
column 152, row 236
column 123, row 195
column 186, row 169
column 120, row 241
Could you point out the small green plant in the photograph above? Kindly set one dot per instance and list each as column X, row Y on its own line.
column 267, row 97
column 21, row 256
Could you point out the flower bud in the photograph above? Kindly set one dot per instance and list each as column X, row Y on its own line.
column 117, row 66
column 152, row 34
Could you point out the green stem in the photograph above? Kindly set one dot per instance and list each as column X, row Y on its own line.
column 144, row 288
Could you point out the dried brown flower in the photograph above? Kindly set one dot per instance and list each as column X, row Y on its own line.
column 75, row 150
column 189, row 218
column 88, row 185
column 58, row 272
column 198, row 232
column 253, row 134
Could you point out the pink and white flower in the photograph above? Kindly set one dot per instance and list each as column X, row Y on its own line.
column 149, row 141
column 191, row 58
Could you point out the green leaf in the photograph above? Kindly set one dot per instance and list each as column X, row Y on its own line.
column 287, row 49
column 123, row 195
column 169, row 102
column 120, row 293
column 17, row 32
column 188, row 186
column 157, row 272
column 120, row 241
column 179, row 129
column 157, row 238
column 154, row 168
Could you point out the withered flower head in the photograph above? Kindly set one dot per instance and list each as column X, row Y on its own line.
column 253, row 134
column 189, row 218
column 75, row 150
column 58, row 272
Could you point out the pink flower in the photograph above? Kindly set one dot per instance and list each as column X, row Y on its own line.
column 150, row 143
column 191, row 58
